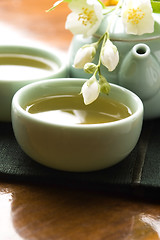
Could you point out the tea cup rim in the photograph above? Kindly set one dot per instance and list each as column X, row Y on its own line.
column 20, row 92
column 58, row 57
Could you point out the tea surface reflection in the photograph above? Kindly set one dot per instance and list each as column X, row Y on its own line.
column 70, row 109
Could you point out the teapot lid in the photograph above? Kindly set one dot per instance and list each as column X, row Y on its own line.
column 117, row 31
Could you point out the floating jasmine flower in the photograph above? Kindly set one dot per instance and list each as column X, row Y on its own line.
column 84, row 55
column 90, row 90
column 85, row 17
column 110, row 55
column 137, row 17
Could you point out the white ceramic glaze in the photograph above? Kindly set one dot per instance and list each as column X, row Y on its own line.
column 85, row 147
column 139, row 61
column 8, row 87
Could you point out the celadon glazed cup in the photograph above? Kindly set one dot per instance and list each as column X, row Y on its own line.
column 77, row 148
column 28, row 55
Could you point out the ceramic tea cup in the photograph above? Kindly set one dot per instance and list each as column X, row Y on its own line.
column 21, row 65
column 74, row 147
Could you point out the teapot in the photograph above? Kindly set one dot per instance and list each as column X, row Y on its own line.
column 139, row 61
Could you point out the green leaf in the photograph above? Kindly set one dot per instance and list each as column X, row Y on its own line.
column 57, row 3
column 155, row 6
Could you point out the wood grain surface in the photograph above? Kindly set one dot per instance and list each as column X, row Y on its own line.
column 45, row 212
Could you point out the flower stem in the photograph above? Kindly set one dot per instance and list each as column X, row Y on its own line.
column 105, row 37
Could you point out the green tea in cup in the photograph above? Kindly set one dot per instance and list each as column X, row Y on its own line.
column 70, row 109
column 105, row 133
column 24, row 67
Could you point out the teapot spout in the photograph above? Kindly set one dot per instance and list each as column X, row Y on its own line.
column 141, row 50
column 140, row 72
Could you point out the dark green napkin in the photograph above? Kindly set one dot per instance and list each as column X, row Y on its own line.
column 140, row 169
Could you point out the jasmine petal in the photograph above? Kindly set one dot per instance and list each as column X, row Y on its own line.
column 110, row 55
column 85, row 17
column 84, row 55
column 90, row 90
column 137, row 17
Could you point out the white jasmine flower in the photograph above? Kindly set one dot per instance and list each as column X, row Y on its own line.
column 110, row 55
column 137, row 17
column 85, row 17
column 84, row 55
column 90, row 90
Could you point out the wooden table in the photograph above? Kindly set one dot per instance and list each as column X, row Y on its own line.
column 46, row 212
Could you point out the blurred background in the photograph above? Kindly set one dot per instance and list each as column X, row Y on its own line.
column 27, row 20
